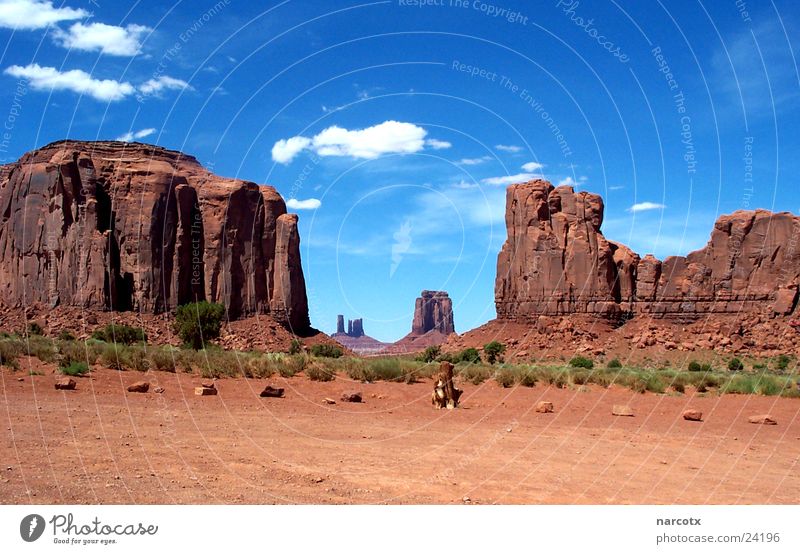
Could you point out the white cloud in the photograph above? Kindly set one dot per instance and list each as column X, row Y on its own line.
column 437, row 144
column 130, row 135
column 645, row 206
column 616, row 187
column 163, row 82
column 530, row 167
column 509, row 148
column 285, row 150
column 309, row 204
column 509, row 179
column 571, row 182
column 107, row 39
column 389, row 137
column 35, row 14
column 473, row 161
column 49, row 78
column 369, row 143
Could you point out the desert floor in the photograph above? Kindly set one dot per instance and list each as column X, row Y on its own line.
column 101, row 444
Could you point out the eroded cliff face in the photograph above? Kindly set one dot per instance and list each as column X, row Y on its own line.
column 433, row 311
column 556, row 261
column 119, row 226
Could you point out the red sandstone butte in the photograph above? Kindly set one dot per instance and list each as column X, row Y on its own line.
column 129, row 226
column 556, row 262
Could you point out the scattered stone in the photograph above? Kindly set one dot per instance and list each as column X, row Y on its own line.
column 763, row 419
column 351, row 396
column 466, row 500
column 159, row 390
column 621, row 410
column 693, row 415
column 544, row 407
column 139, row 386
column 206, row 388
column 329, row 401
column 272, row 392
column 66, row 383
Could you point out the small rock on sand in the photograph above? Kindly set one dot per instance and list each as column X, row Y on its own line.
column 544, row 407
column 66, row 383
column 139, row 386
column 621, row 410
column 693, row 415
column 763, row 419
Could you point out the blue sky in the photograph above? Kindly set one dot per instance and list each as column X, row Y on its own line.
column 393, row 128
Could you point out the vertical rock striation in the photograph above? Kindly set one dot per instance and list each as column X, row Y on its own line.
column 119, row 226
column 556, row 261
column 433, row 311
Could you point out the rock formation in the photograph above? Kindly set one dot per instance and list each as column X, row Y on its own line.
column 354, row 338
column 355, row 327
column 432, row 323
column 433, row 311
column 120, row 226
column 556, row 261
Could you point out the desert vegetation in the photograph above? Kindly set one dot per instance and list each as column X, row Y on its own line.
column 323, row 362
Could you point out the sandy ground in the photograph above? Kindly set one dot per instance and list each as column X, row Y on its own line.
column 101, row 444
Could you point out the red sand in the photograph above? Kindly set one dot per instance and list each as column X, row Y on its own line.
column 100, row 444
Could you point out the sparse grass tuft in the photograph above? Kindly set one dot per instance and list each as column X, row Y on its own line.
column 317, row 371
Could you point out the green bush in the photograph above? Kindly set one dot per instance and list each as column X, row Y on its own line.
column 473, row 373
column 582, row 362
column 198, row 323
column 769, row 386
column 505, row 377
column 10, row 350
column 165, row 358
column 494, row 351
column 694, row 365
column 65, row 335
column 75, row 368
column 580, row 378
column 41, row 347
column 260, row 366
column 740, row 384
column 35, row 329
column 295, row 347
column 614, row 364
column 527, row 377
column 430, row 354
column 318, row 372
column 782, row 362
column 73, row 351
column 326, row 351
column 291, row 365
column 735, row 364
column 654, row 383
column 470, row 356
column 120, row 334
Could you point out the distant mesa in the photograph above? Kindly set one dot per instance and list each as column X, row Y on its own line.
column 432, row 324
column 354, row 338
